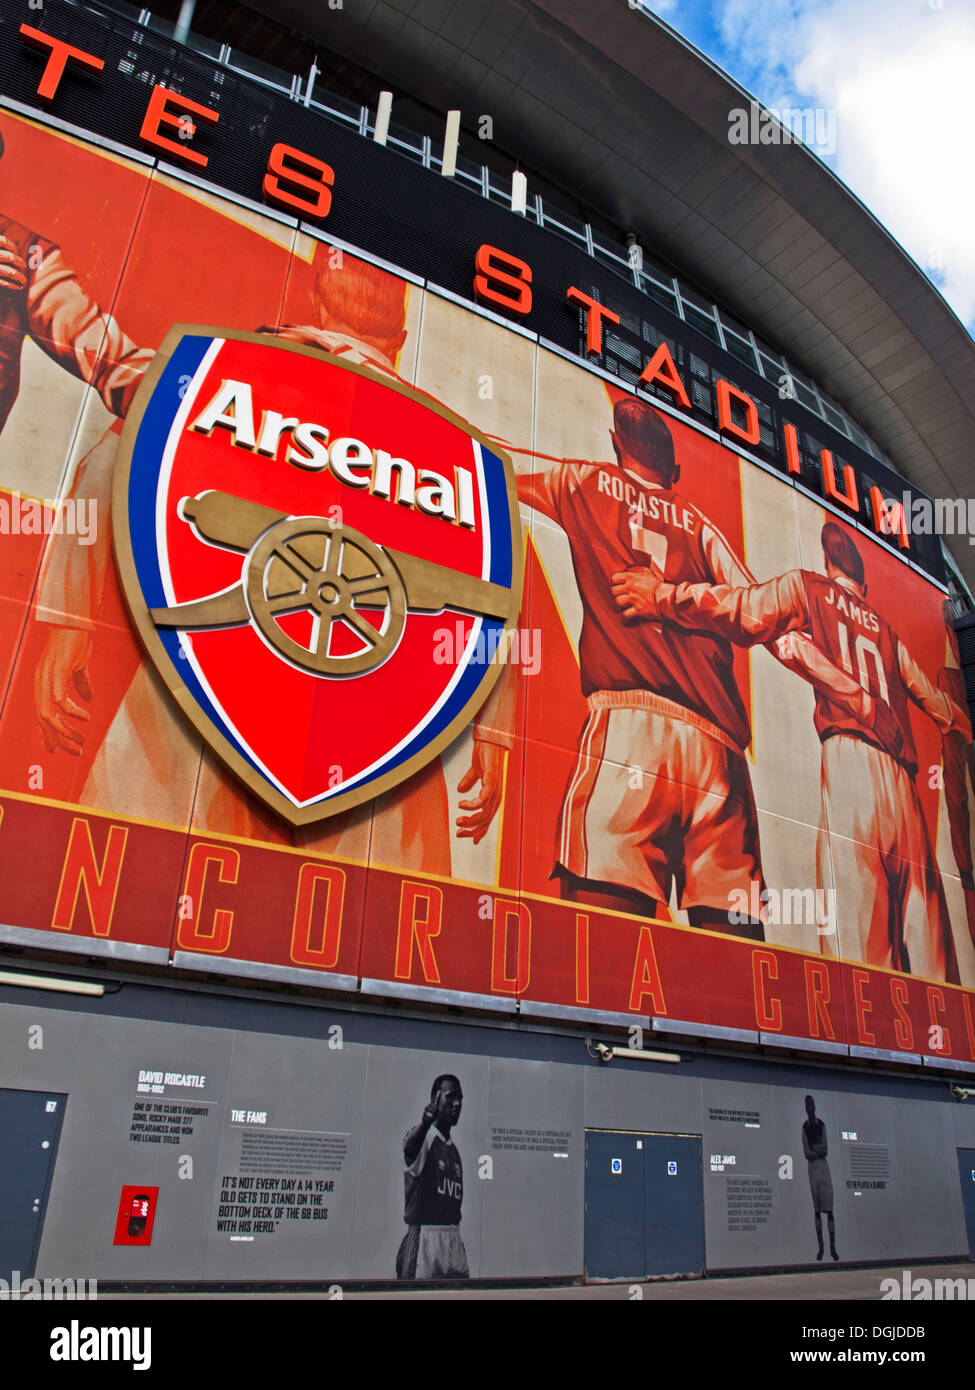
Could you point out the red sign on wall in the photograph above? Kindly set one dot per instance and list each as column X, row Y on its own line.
column 136, row 1216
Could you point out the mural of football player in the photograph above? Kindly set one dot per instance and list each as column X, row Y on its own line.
column 658, row 702
column 360, row 315
column 958, row 765
column 42, row 298
column 434, row 1179
column 879, row 842
column 815, row 1147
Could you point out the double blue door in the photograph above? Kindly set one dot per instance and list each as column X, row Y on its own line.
column 644, row 1205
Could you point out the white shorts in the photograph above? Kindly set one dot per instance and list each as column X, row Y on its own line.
column 432, row 1252
column 890, row 898
column 657, row 800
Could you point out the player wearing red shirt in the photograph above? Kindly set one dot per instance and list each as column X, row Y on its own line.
column 958, row 761
column 663, row 704
column 880, row 847
column 360, row 313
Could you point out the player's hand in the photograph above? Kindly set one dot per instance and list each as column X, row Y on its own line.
column 637, row 591
column 13, row 267
column 879, row 716
column 429, row 1113
column 61, row 679
column 487, row 767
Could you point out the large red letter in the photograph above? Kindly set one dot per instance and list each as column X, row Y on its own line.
column 58, row 54
column 189, row 936
column 582, row 958
column 82, row 871
column 420, row 915
column 595, row 313
column 887, row 520
column 662, row 371
column 903, row 1029
column 860, row 978
column 750, row 433
column 850, row 498
column 793, row 462
column 298, row 170
column 501, row 981
column 170, row 109
column 817, row 997
column 768, row 1011
column 646, row 976
column 322, row 956
column 939, row 1037
column 497, row 270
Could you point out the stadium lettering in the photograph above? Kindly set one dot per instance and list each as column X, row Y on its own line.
column 302, row 184
column 193, row 934
column 316, row 929
column 95, row 877
column 817, row 999
column 350, row 460
column 768, row 1007
column 294, row 180
column 504, row 280
column 420, row 919
column 507, row 912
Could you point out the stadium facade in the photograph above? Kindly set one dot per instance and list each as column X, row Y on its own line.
column 480, row 597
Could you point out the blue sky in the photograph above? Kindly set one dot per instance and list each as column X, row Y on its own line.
column 895, row 83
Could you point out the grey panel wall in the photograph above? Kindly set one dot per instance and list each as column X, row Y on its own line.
column 281, row 1130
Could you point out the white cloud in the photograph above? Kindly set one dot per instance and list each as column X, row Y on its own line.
column 901, row 78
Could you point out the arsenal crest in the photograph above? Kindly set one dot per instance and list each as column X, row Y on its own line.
column 291, row 531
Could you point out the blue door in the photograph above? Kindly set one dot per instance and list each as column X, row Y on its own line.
column 644, row 1205
column 30, row 1122
column 614, row 1236
column 966, row 1164
column 675, row 1204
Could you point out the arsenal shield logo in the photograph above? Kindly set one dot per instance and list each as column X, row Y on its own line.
column 291, row 531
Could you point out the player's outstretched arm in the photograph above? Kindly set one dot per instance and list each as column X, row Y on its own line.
column 69, row 327
column 745, row 616
column 541, row 479
column 794, row 650
column 937, row 704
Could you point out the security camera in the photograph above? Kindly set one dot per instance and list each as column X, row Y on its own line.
column 963, row 1092
column 606, row 1054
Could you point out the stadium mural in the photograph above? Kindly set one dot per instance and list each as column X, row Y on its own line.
column 355, row 640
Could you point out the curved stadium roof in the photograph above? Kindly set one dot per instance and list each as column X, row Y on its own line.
column 608, row 101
